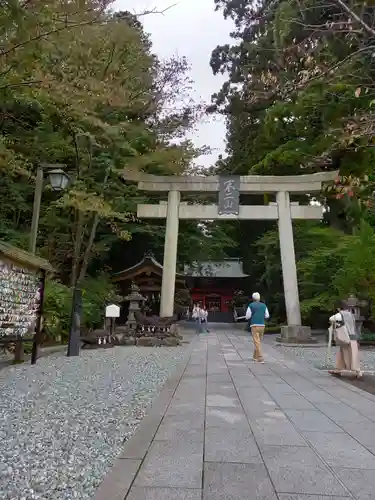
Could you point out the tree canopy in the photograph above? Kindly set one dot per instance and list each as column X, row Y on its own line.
column 81, row 86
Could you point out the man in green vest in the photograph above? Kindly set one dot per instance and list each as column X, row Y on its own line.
column 256, row 314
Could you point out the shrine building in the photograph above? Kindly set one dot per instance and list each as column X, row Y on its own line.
column 212, row 284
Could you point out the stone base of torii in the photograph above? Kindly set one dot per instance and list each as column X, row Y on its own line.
column 283, row 210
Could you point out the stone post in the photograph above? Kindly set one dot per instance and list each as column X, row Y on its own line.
column 134, row 298
column 288, row 259
column 170, row 255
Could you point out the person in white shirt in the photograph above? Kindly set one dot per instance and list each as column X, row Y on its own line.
column 203, row 315
column 347, row 358
column 256, row 314
column 200, row 317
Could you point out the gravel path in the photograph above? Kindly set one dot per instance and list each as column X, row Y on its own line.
column 64, row 420
column 317, row 356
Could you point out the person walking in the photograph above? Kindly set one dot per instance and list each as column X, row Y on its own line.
column 256, row 314
column 204, row 320
column 195, row 317
column 347, row 358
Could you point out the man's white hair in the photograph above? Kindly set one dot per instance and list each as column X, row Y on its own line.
column 256, row 296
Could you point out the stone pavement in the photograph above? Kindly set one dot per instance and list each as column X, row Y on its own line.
column 225, row 428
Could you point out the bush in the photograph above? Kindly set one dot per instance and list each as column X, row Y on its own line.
column 367, row 335
column 333, row 272
column 272, row 329
column 96, row 294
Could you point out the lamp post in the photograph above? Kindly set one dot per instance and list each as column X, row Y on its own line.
column 58, row 180
column 75, row 323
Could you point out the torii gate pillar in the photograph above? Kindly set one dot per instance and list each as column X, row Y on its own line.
column 170, row 255
column 288, row 259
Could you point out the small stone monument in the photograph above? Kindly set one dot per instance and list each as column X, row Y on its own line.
column 355, row 306
column 144, row 330
column 135, row 299
column 296, row 334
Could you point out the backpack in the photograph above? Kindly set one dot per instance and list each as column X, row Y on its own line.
column 340, row 333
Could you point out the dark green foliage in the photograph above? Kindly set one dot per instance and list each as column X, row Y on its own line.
column 81, row 87
column 300, row 99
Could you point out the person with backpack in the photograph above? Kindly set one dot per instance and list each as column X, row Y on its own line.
column 256, row 314
column 346, row 337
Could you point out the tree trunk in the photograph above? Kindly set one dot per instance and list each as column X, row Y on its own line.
column 94, row 227
column 86, row 255
column 77, row 247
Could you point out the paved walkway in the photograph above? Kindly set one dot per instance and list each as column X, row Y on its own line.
column 225, row 428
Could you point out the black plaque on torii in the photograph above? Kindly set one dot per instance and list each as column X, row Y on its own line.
column 229, row 195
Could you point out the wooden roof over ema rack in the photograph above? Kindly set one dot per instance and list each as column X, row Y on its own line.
column 148, row 265
column 24, row 258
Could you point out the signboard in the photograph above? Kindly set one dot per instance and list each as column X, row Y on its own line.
column 112, row 311
column 229, row 195
column 20, row 297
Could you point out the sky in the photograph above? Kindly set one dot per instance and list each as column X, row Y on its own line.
column 190, row 28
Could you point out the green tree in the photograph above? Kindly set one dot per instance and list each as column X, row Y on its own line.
column 299, row 93
column 97, row 100
column 299, row 99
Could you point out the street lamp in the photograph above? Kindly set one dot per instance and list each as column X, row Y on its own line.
column 59, row 180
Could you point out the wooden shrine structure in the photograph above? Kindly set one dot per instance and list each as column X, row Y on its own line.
column 147, row 275
column 211, row 284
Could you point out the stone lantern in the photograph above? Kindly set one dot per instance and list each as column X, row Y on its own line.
column 135, row 299
column 355, row 306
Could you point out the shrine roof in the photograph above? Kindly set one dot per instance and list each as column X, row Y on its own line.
column 230, row 268
column 148, row 263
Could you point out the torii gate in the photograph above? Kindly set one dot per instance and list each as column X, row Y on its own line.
column 283, row 211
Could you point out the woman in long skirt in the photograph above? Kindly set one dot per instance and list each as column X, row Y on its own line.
column 347, row 358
